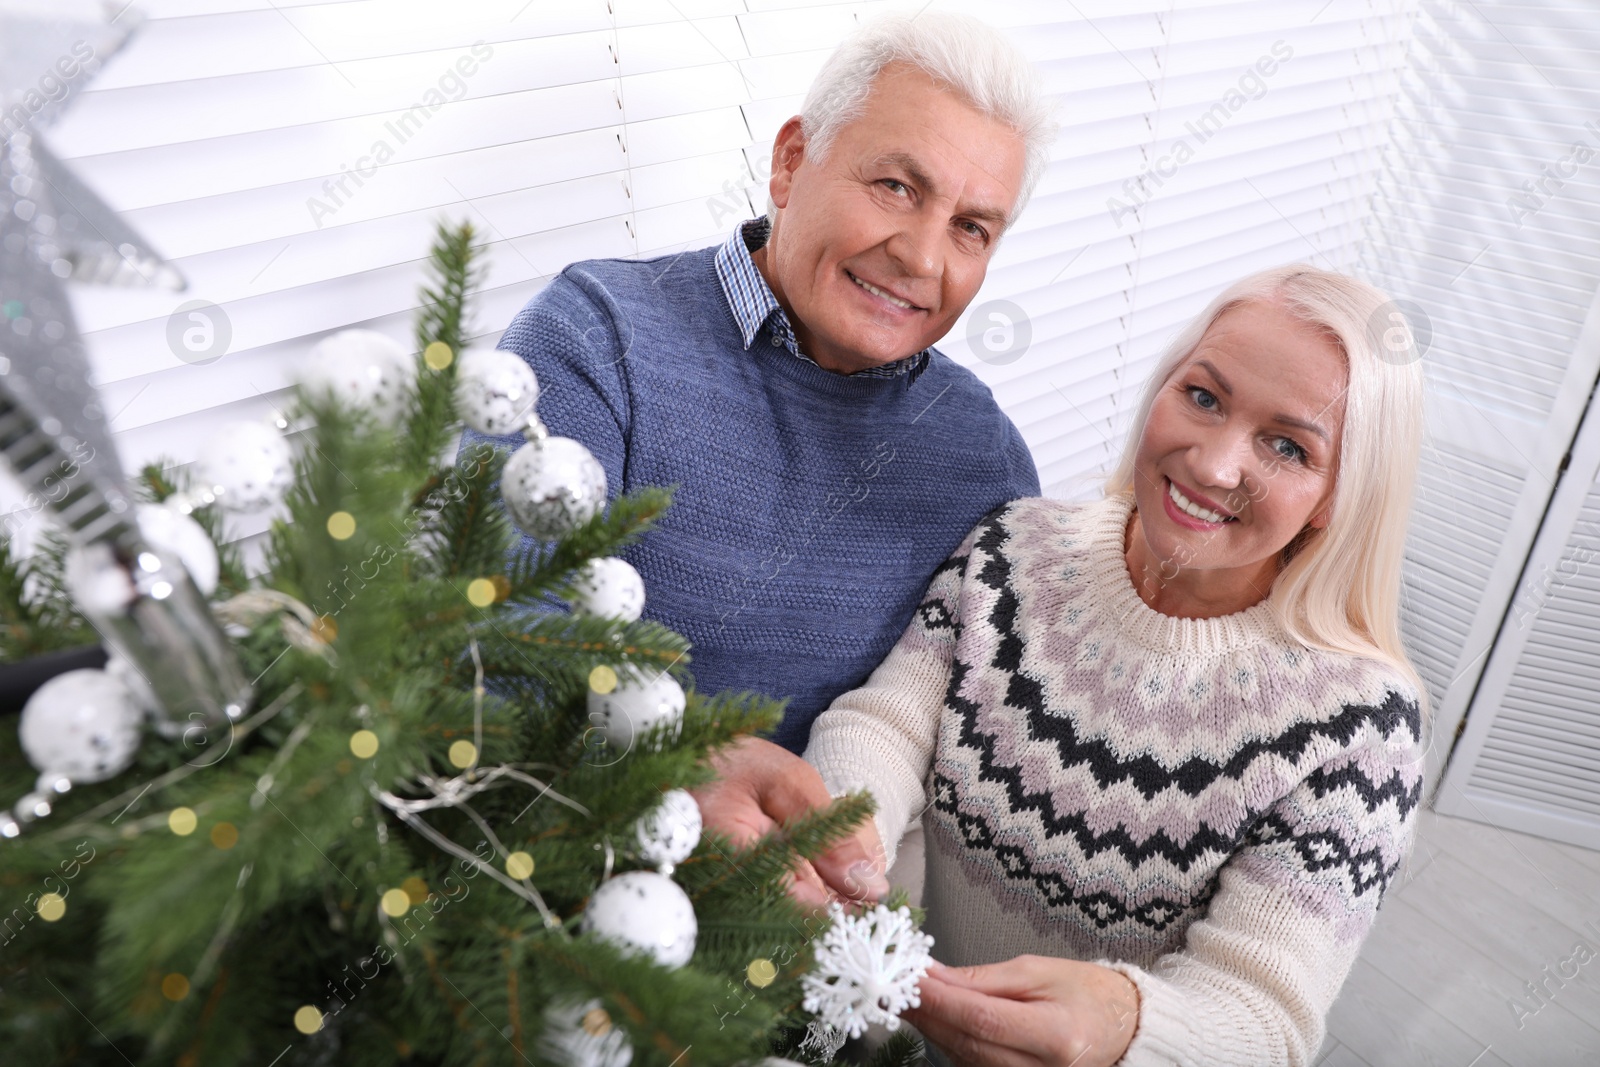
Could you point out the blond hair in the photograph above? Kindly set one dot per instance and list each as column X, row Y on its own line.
column 1338, row 587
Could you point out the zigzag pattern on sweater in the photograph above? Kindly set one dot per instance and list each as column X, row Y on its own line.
column 1318, row 850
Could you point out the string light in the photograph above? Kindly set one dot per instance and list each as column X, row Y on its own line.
column 761, row 973
column 603, row 679
column 364, row 744
column 438, row 356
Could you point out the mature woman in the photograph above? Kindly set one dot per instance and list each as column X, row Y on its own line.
column 1166, row 747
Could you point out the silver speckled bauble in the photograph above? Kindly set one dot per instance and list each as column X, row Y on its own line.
column 608, row 588
column 83, row 724
column 364, row 369
column 552, row 486
column 646, row 912
column 247, row 466
column 635, row 706
column 495, row 391
column 668, row 835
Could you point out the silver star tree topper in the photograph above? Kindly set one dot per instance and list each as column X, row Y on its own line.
column 53, row 431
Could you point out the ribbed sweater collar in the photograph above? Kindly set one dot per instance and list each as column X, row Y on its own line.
column 1105, row 524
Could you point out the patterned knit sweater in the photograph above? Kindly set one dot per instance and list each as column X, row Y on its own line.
column 1206, row 805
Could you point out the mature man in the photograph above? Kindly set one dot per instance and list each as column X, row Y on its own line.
column 827, row 458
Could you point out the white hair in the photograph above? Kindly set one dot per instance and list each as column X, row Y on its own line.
column 958, row 51
column 1338, row 586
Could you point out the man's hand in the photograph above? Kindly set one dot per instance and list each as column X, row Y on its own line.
column 1032, row 1011
column 761, row 786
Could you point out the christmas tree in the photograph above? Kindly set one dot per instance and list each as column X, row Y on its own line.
column 450, row 828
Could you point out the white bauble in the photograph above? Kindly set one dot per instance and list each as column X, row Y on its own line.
column 608, row 588
column 635, row 706
column 567, row 1042
column 669, row 833
column 97, row 583
column 552, row 486
column 83, row 725
column 646, row 912
column 179, row 535
column 247, row 466
column 363, row 369
column 495, row 391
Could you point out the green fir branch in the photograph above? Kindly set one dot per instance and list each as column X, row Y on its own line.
column 430, row 422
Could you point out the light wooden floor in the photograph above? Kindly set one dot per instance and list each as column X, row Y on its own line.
column 1478, row 913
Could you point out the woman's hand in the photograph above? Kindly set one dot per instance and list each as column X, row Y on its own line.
column 1033, row 1011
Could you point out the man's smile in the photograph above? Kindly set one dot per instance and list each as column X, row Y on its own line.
column 886, row 296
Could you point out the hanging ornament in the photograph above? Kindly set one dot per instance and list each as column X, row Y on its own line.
column 247, row 466
column 362, row 369
column 551, row 486
column 82, row 725
column 167, row 528
column 645, row 912
column 669, row 834
column 867, row 969
column 495, row 391
column 101, row 584
column 635, row 706
column 608, row 588
column 96, row 582
column 580, row 1033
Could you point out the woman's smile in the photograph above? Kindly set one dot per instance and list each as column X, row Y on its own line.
column 1189, row 508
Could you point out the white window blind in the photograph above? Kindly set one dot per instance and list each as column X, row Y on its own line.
column 1200, row 142
column 641, row 127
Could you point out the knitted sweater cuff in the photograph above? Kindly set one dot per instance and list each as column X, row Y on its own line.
column 893, row 787
column 1167, row 1033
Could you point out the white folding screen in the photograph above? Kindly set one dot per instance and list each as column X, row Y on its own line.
column 1486, row 218
column 1529, row 758
column 1199, row 141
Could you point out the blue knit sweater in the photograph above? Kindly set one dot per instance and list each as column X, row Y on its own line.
column 812, row 508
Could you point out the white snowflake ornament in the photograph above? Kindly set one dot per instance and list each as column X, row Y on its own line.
column 867, row 969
